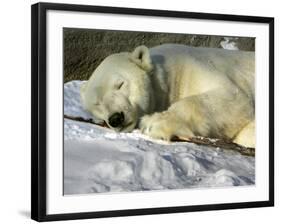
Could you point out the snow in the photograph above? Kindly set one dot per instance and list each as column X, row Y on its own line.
column 97, row 159
column 229, row 43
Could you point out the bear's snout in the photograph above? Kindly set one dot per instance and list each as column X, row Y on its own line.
column 116, row 119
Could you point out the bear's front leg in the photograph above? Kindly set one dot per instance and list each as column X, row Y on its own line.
column 165, row 126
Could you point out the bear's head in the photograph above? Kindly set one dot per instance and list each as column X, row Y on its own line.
column 119, row 91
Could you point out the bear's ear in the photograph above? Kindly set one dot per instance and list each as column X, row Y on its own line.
column 141, row 57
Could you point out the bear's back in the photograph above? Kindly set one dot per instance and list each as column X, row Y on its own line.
column 237, row 67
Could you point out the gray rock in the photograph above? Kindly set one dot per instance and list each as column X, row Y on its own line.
column 84, row 49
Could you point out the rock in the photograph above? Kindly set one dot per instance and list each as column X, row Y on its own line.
column 84, row 49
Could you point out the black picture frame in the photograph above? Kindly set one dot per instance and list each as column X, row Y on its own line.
column 39, row 108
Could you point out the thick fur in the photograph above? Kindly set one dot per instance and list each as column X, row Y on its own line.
column 175, row 90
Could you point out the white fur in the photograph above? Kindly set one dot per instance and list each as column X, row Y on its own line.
column 175, row 90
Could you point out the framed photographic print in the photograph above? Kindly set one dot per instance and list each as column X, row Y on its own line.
column 139, row 111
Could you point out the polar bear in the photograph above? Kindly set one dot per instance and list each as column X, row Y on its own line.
column 175, row 90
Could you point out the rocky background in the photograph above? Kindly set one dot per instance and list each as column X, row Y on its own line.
column 84, row 49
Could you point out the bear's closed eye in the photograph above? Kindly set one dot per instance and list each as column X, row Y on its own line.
column 120, row 85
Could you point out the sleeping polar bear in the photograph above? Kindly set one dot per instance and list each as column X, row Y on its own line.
column 174, row 90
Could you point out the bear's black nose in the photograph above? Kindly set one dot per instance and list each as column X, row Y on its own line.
column 116, row 119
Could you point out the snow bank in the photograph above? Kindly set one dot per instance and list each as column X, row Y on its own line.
column 229, row 43
column 97, row 159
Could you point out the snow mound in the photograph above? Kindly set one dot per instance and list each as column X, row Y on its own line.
column 72, row 102
column 97, row 159
column 229, row 43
